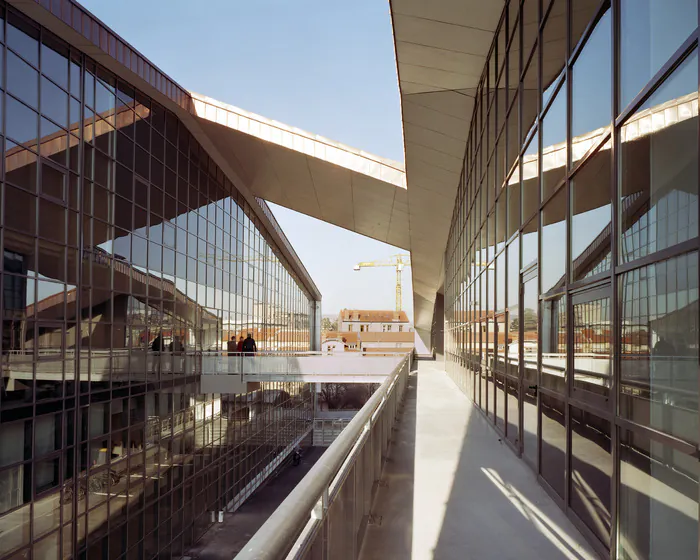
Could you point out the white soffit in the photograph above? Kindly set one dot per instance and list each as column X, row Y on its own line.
column 310, row 174
column 441, row 49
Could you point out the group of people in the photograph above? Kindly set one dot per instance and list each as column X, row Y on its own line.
column 245, row 346
column 174, row 346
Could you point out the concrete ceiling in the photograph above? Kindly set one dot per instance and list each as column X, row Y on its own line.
column 441, row 49
column 310, row 174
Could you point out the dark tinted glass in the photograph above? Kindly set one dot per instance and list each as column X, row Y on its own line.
column 553, row 452
column 591, row 472
column 22, row 80
column 23, row 39
column 658, row 501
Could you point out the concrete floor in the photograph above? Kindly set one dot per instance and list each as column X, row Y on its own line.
column 224, row 540
column 451, row 489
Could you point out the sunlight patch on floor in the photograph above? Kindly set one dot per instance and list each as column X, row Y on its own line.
column 555, row 534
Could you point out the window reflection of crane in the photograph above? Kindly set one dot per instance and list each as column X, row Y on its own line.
column 397, row 261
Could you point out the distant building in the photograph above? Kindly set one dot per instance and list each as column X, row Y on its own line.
column 359, row 320
column 370, row 331
column 335, row 341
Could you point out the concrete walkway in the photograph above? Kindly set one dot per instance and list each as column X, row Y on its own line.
column 452, row 490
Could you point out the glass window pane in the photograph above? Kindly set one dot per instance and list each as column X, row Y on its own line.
column 530, row 420
column 553, row 243
column 530, row 180
column 512, row 432
column 530, row 247
column 591, row 87
column 591, row 472
column 513, row 307
column 553, row 47
column 593, row 345
column 553, row 451
column 591, row 211
column 659, row 168
column 22, row 38
column 513, row 138
column 651, row 31
column 658, row 506
column 54, row 103
column 582, row 11
column 22, row 80
column 530, row 96
column 554, row 144
column 513, row 192
column 530, row 332
column 22, row 123
column 659, row 354
column 54, row 65
column 554, row 344
column 530, row 17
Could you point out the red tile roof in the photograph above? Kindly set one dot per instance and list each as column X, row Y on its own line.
column 373, row 315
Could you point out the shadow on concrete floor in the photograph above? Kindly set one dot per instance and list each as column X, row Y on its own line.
column 224, row 540
column 389, row 533
column 455, row 491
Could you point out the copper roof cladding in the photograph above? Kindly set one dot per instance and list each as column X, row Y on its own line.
column 373, row 316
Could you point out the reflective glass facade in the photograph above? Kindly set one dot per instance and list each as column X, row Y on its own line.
column 129, row 260
column 571, row 286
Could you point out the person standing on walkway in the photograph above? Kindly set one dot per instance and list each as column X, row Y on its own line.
column 249, row 346
column 239, row 348
column 231, row 347
column 157, row 348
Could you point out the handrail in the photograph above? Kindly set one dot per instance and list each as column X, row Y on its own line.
column 309, row 502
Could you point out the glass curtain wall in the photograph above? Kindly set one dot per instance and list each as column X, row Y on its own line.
column 129, row 260
column 571, row 287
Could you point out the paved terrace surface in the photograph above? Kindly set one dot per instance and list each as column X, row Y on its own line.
column 452, row 491
column 224, row 540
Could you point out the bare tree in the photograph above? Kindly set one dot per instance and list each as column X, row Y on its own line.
column 350, row 396
column 333, row 394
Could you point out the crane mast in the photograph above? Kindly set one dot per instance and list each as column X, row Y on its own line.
column 397, row 261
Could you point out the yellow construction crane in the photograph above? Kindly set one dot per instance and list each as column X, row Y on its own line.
column 397, row 261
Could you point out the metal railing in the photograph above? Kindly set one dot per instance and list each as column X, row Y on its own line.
column 325, row 516
column 96, row 365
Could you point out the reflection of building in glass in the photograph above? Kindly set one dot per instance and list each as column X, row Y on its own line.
column 130, row 257
column 589, row 246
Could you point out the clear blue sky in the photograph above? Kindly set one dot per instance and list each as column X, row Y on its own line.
column 324, row 66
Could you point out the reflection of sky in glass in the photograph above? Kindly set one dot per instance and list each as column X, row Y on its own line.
column 651, row 30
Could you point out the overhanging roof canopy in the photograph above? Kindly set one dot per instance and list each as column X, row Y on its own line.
column 441, row 49
column 310, row 174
